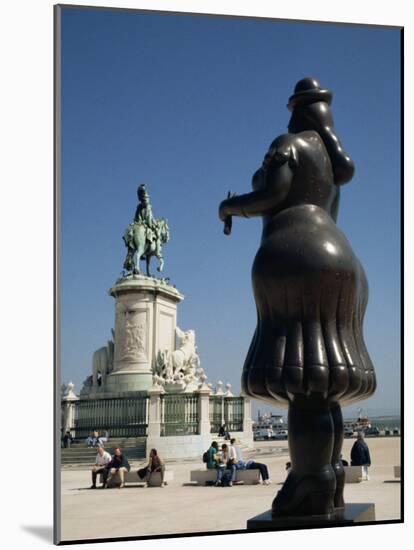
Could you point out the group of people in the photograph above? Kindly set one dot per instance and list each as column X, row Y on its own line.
column 118, row 464
column 96, row 439
column 227, row 460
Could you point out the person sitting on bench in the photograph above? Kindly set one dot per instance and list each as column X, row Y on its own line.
column 251, row 464
column 155, row 464
column 118, row 465
column 210, row 460
column 101, row 461
column 235, row 461
column 264, row 472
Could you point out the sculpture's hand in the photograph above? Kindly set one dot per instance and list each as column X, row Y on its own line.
column 224, row 213
column 223, row 210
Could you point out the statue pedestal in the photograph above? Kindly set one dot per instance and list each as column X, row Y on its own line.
column 352, row 514
column 145, row 321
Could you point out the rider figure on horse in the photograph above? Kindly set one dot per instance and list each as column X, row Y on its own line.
column 143, row 213
column 151, row 231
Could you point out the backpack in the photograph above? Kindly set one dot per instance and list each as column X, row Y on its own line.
column 206, row 457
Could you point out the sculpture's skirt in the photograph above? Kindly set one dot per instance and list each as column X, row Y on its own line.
column 311, row 293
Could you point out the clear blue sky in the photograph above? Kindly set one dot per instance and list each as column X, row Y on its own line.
column 189, row 105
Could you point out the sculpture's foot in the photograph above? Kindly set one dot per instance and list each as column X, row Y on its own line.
column 305, row 496
column 340, row 484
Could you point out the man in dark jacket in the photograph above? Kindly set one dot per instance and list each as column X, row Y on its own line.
column 360, row 455
column 118, row 465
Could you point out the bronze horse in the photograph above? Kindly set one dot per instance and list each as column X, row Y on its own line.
column 143, row 243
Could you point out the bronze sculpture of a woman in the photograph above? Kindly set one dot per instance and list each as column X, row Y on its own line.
column 308, row 351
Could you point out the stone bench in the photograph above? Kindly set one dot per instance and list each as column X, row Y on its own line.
column 397, row 471
column 353, row 474
column 249, row 477
column 132, row 478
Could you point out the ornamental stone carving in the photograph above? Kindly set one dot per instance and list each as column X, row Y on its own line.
column 179, row 370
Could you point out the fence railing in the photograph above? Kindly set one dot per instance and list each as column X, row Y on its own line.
column 216, row 413
column 226, row 410
column 122, row 417
column 179, row 414
column 233, row 413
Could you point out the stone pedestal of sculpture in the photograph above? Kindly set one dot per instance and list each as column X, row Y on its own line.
column 351, row 514
column 145, row 322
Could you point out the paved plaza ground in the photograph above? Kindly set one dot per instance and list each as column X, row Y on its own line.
column 183, row 508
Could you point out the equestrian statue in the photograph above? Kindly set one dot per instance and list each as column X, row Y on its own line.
column 145, row 236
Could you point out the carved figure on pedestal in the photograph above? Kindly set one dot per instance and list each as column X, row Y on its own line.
column 133, row 340
column 308, row 351
column 145, row 236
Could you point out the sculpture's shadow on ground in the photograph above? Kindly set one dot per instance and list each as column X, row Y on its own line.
column 43, row 532
column 392, row 481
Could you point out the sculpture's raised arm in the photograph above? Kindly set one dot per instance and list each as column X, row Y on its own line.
column 256, row 203
column 271, row 183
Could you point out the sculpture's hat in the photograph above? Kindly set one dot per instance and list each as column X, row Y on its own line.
column 142, row 192
column 308, row 90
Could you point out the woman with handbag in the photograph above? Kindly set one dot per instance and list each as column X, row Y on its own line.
column 155, row 464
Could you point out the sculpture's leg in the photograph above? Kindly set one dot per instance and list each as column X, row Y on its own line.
column 336, row 454
column 310, row 486
column 147, row 261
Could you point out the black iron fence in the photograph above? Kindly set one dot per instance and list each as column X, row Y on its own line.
column 216, row 413
column 121, row 417
column 179, row 414
column 233, row 413
column 226, row 410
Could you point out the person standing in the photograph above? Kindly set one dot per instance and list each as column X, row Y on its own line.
column 101, row 461
column 360, row 455
column 118, row 465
